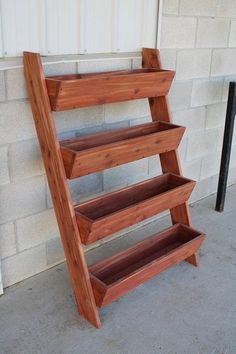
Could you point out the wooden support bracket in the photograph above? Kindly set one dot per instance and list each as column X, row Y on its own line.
column 160, row 111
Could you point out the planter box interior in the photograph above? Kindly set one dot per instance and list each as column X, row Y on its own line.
column 81, row 90
column 112, row 212
column 115, row 276
column 89, row 154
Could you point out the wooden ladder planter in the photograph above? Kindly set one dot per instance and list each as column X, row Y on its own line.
column 90, row 221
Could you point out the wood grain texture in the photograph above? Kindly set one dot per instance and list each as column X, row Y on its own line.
column 114, row 211
column 160, row 111
column 61, row 198
column 100, row 151
column 83, row 90
column 116, row 275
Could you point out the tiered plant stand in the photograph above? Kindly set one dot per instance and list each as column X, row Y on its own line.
column 87, row 222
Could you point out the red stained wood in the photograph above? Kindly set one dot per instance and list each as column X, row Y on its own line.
column 116, row 275
column 61, row 198
column 112, row 212
column 98, row 218
column 160, row 111
column 74, row 91
column 97, row 152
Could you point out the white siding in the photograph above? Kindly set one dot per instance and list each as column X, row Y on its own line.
column 22, row 26
column 76, row 26
column 62, row 26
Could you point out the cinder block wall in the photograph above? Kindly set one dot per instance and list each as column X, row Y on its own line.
column 199, row 42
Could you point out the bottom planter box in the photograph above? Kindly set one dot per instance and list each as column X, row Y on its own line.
column 116, row 275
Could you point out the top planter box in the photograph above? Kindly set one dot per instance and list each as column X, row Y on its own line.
column 83, row 90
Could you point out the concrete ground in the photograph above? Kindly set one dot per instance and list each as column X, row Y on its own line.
column 184, row 310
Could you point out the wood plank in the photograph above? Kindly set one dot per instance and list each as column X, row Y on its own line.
column 61, row 198
column 112, row 212
column 100, row 151
column 116, row 275
column 160, row 111
column 88, row 90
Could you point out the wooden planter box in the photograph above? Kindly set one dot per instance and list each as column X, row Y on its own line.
column 112, row 212
column 100, row 151
column 83, row 90
column 126, row 270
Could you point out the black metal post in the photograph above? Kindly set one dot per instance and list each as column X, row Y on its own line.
column 227, row 145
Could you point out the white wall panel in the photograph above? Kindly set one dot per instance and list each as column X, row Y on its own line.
column 98, row 25
column 77, row 26
column 130, row 24
column 22, row 26
column 150, row 22
column 62, row 26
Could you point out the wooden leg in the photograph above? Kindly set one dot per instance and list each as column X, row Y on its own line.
column 60, row 193
column 160, row 111
column 194, row 260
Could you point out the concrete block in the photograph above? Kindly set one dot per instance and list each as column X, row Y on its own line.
column 212, row 33
column 60, row 68
column 180, row 95
column 16, row 122
column 2, row 87
column 223, row 62
column 85, row 186
column 138, row 121
column 23, row 265
column 198, row 7
column 137, row 63
column 1, row 285
column 125, row 174
column 25, row 160
column 206, row 92
column 178, row 32
column 93, row 66
column 81, row 188
column 233, row 156
column 171, row 7
column 232, row 36
column 7, row 240
column 192, row 169
column 154, row 166
column 101, row 128
column 36, row 229
column 55, row 252
column 232, row 176
column 210, row 165
column 4, row 171
column 168, row 59
column 201, row 144
column 182, row 149
column 115, row 112
column 22, row 199
column 15, row 84
column 193, row 119
column 215, row 115
column 220, row 138
column 193, row 64
column 226, row 8
column 79, row 118
column 225, row 93
column 204, row 188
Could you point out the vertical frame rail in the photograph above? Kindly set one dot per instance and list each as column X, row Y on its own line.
column 59, row 189
column 160, row 111
column 227, row 147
